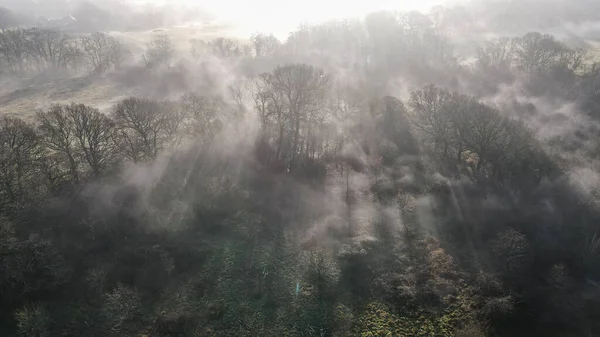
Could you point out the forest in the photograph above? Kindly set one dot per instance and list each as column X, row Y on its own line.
column 372, row 177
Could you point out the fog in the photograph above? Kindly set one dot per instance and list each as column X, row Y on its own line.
column 278, row 17
column 282, row 17
column 316, row 168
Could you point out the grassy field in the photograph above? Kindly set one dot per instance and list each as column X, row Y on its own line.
column 181, row 35
column 31, row 95
column 594, row 51
column 22, row 97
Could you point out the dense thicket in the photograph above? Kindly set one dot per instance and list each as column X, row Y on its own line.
column 357, row 179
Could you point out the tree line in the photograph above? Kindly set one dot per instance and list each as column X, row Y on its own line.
column 70, row 144
column 34, row 50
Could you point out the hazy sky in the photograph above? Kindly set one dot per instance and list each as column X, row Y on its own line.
column 285, row 15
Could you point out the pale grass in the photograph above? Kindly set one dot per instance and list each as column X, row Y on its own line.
column 23, row 97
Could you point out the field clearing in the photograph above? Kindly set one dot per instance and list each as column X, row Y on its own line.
column 22, row 97
column 594, row 51
column 31, row 97
column 182, row 35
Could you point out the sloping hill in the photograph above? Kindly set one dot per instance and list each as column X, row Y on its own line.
column 30, row 95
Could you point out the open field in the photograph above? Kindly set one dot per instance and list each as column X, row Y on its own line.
column 594, row 51
column 33, row 94
column 22, row 97
column 181, row 35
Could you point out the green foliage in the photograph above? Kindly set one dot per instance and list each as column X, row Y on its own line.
column 378, row 320
column 33, row 321
column 343, row 320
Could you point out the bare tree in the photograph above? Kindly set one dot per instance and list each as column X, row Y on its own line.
column 469, row 137
column 572, row 60
column 53, row 49
column 15, row 48
column 58, row 136
column 225, row 48
column 493, row 146
column 495, row 54
column 264, row 45
column 442, row 120
column 102, row 51
column 292, row 99
column 514, row 151
column 143, row 127
column 430, row 117
column 238, row 91
column 536, row 52
column 482, row 133
column 95, row 136
column 160, row 50
column 39, row 49
column 175, row 119
column 298, row 41
column 201, row 116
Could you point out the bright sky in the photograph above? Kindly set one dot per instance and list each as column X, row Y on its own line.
column 285, row 15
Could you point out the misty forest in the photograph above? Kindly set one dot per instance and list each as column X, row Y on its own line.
column 399, row 174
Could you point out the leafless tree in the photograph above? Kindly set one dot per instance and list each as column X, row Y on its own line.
column 15, row 48
column 292, row 99
column 175, row 119
column 491, row 145
column 201, row 116
column 102, row 51
column 95, row 136
column 430, row 117
column 58, row 137
column 299, row 41
column 515, row 149
column 143, row 126
column 38, row 49
column 572, row 60
column 536, row 52
column 238, row 92
column 481, row 133
column 264, row 45
column 496, row 53
column 160, row 50
column 226, row 48
column 53, row 49
column 469, row 137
